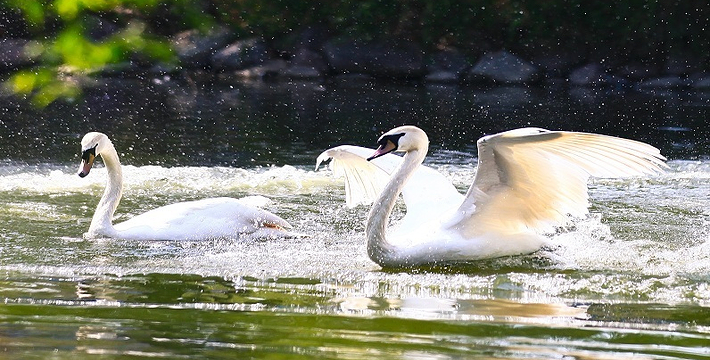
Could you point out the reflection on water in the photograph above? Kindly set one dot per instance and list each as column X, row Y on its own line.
column 272, row 317
column 631, row 280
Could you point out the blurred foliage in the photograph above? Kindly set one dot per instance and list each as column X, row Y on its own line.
column 65, row 51
column 626, row 30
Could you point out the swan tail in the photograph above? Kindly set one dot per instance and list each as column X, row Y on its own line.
column 276, row 230
column 265, row 219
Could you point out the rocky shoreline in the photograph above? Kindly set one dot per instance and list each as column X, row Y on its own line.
column 316, row 56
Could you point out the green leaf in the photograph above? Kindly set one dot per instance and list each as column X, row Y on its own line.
column 32, row 10
column 55, row 90
column 24, row 82
column 67, row 9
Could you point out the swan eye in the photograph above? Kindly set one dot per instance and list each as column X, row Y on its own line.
column 393, row 138
column 88, row 153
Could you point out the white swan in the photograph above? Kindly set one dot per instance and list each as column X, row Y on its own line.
column 527, row 181
column 193, row 220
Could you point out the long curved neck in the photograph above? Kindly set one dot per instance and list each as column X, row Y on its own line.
column 101, row 223
column 379, row 250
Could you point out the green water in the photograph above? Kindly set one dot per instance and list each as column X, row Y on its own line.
column 629, row 281
column 176, row 316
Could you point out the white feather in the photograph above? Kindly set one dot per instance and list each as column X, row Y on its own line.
column 192, row 220
column 527, row 181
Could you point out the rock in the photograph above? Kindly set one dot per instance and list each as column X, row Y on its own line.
column 703, row 83
column 679, row 64
column 587, row 94
column 161, row 69
column 442, row 76
column 306, row 64
column 636, row 72
column 353, row 79
column 241, row 54
column 617, row 82
column 17, row 53
column 122, row 69
column 588, row 75
column 446, row 66
column 389, row 59
column 345, row 58
column 311, row 38
column 503, row 96
column 663, row 82
column 503, row 67
column 194, row 49
column 301, row 72
column 269, row 69
column 700, row 81
column 556, row 65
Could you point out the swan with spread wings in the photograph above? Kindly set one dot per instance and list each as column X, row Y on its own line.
column 528, row 180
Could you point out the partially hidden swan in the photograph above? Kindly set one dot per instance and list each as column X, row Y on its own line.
column 528, row 180
column 212, row 218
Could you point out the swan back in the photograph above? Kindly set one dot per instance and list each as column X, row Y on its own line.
column 213, row 218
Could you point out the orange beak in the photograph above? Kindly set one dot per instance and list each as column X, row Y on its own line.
column 87, row 161
column 385, row 148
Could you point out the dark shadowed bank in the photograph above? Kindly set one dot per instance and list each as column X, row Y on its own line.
column 628, row 45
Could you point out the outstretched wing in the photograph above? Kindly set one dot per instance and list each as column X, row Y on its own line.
column 533, row 178
column 364, row 180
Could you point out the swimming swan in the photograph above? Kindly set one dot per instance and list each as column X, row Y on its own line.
column 527, row 181
column 193, row 220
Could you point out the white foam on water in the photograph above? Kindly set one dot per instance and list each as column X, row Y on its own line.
column 646, row 239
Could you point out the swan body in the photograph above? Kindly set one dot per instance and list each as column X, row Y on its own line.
column 212, row 218
column 528, row 180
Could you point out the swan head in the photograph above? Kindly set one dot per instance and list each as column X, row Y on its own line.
column 404, row 138
column 92, row 144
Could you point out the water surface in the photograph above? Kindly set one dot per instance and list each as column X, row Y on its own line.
column 630, row 280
